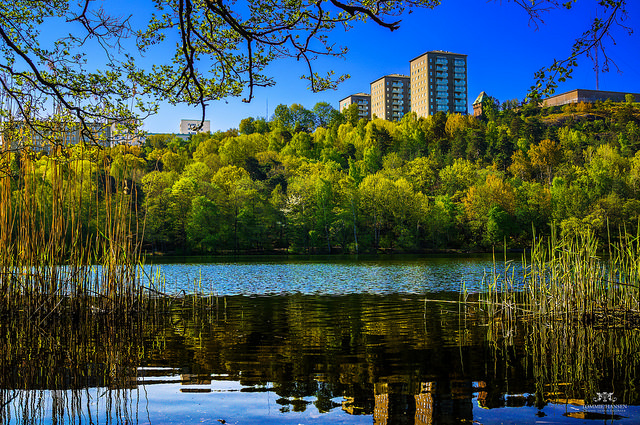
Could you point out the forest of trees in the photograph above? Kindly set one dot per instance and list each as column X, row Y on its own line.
column 321, row 181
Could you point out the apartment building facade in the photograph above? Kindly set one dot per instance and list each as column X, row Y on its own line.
column 439, row 83
column 363, row 100
column 391, row 97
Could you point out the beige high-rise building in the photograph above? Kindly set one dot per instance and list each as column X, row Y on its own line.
column 391, row 97
column 364, row 104
column 439, row 83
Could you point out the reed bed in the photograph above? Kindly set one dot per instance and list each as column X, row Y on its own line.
column 570, row 278
column 70, row 235
column 576, row 306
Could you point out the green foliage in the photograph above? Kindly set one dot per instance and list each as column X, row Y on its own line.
column 417, row 184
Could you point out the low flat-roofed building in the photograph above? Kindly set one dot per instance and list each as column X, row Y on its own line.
column 194, row 126
column 587, row 96
column 40, row 135
column 364, row 104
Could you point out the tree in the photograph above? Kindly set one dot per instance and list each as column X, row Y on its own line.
column 490, row 207
column 325, row 114
column 294, row 118
column 214, row 50
column 246, row 126
column 351, row 114
column 545, row 156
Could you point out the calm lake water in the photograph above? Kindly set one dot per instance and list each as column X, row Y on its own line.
column 331, row 276
column 324, row 342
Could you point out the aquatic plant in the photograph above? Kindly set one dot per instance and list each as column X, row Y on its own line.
column 69, row 234
column 577, row 307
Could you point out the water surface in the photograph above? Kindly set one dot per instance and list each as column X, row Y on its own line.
column 331, row 275
column 317, row 342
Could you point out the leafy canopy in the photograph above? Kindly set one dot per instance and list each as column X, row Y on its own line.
column 78, row 57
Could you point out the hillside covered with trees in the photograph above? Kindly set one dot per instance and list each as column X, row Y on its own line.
column 320, row 181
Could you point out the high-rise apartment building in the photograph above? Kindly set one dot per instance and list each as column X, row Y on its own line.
column 364, row 104
column 438, row 83
column 391, row 97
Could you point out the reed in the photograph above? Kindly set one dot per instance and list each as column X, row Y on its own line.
column 576, row 305
column 70, row 234
column 570, row 278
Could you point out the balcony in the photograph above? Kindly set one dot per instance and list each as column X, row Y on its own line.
column 441, row 61
column 459, row 76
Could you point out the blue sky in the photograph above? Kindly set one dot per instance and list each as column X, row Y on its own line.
column 503, row 50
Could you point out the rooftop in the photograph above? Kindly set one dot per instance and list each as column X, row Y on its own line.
column 438, row 52
column 481, row 98
column 356, row 94
column 391, row 76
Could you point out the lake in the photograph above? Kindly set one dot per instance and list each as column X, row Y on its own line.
column 321, row 341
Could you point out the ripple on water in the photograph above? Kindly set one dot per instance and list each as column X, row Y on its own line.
column 324, row 277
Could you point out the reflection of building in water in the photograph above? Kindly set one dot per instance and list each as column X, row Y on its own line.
column 381, row 409
column 482, row 394
column 197, row 383
column 394, row 403
column 424, row 403
column 357, row 405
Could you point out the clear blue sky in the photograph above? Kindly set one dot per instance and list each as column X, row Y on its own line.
column 503, row 50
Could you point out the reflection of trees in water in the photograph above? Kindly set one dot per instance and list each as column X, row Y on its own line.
column 93, row 405
column 392, row 357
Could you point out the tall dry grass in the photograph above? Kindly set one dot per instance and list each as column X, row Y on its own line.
column 70, row 233
column 571, row 278
column 576, row 306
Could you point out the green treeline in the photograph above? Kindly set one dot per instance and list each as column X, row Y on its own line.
column 322, row 181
